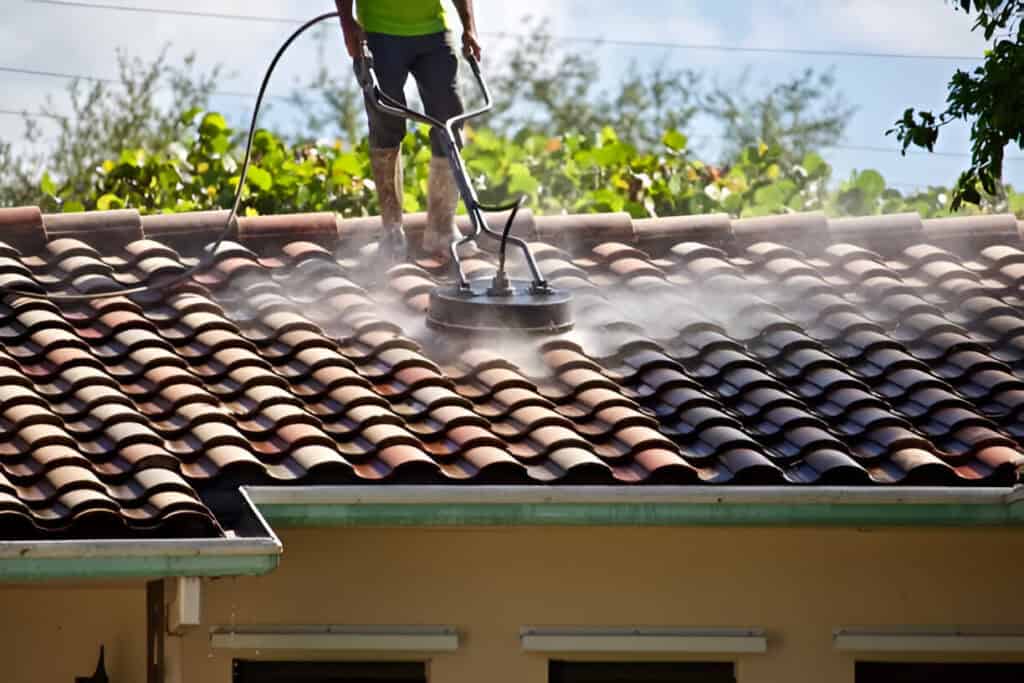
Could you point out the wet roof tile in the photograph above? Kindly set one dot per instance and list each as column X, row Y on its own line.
column 783, row 350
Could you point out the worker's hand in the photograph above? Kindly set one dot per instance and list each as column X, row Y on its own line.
column 470, row 45
column 354, row 37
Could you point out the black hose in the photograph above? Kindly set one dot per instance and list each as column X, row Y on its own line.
column 210, row 258
column 506, row 231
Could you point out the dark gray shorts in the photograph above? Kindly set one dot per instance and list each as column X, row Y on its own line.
column 432, row 61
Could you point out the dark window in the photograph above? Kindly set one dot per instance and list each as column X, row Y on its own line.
column 908, row 672
column 640, row 672
column 328, row 672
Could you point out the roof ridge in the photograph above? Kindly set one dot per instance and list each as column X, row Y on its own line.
column 28, row 229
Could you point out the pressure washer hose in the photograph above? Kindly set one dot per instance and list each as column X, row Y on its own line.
column 210, row 257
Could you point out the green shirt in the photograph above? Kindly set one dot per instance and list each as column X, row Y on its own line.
column 401, row 17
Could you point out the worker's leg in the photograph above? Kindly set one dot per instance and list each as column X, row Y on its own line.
column 392, row 59
column 436, row 74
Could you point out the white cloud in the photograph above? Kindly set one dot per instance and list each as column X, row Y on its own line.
column 907, row 26
column 55, row 38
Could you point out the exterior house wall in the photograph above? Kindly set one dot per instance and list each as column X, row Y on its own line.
column 798, row 584
column 52, row 633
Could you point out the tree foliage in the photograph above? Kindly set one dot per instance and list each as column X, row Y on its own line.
column 801, row 114
column 541, row 88
column 990, row 99
column 596, row 171
column 543, row 85
column 554, row 137
column 141, row 110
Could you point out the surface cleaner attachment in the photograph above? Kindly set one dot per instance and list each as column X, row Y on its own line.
column 487, row 304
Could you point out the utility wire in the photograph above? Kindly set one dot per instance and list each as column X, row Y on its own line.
column 502, row 34
column 40, row 115
column 113, row 81
column 894, row 150
column 177, row 12
column 55, row 74
column 590, row 40
column 854, row 148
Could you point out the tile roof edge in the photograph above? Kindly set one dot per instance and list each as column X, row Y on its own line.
column 22, row 228
column 256, row 552
column 28, row 229
column 109, row 229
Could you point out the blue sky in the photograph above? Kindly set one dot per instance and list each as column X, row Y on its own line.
column 83, row 41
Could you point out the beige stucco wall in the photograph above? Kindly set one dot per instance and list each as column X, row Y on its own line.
column 797, row 583
column 52, row 633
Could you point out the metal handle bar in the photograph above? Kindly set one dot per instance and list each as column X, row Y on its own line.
column 383, row 102
column 389, row 105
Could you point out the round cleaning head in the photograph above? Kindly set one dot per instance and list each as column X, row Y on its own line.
column 482, row 308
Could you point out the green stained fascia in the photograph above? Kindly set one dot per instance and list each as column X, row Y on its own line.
column 33, row 567
column 641, row 514
column 41, row 568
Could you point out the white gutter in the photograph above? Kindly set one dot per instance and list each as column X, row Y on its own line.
column 531, row 495
column 490, row 506
column 178, row 547
column 256, row 553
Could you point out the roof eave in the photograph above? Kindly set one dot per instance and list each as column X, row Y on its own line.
column 258, row 553
column 446, row 506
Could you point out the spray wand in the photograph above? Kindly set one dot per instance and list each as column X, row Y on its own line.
column 498, row 303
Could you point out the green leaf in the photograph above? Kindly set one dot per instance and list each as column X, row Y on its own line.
column 220, row 144
column 213, row 124
column 733, row 204
column 871, row 183
column 674, row 140
column 133, row 157
column 770, row 197
column 189, row 115
column 47, row 185
column 814, row 164
column 1017, row 203
column 520, row 180
column 108, row 202
column 348, row 164
column 260, row 178
column 608, row 136
column 73, row 207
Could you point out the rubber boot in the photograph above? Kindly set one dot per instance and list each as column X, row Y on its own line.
column 387, row 174
column 442, row 201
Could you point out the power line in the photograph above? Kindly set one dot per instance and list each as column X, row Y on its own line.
column 177, row 12
column 287, row 98
column 893, row 150
column 868, row 148
column 55, row 74
column 712, row 47
column 590, row 40
column 113, row 81
column 40, row 115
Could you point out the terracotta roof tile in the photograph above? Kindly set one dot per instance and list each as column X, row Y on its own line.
column 779, row 350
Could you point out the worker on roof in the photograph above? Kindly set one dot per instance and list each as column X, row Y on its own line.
column 411, row 37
